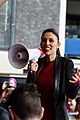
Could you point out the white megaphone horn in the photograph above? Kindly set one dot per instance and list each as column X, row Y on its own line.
column 19, row 56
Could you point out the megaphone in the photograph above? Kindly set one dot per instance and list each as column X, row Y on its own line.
column 19, row 56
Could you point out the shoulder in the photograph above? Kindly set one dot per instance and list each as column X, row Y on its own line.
column 4, row 114
column 67, row 60
column 66, row 63
column 2, row 109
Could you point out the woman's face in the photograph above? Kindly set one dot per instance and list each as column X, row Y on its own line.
column 49, row 43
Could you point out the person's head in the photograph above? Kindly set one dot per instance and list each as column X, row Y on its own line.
column 7, row 87
column 78, row 107
column 50, row 42
column 71, row 104
column 25, row 103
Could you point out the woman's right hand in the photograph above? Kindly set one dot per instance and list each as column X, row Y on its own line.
column 33, row 66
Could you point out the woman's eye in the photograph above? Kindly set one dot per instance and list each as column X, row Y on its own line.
column 44, row 40
column 51, row 40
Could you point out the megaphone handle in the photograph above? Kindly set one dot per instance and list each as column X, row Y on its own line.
column 31, row 77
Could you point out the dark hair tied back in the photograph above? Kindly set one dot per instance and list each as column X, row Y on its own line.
column 51, row 30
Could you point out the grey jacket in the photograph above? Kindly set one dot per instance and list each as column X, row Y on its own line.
column 4, row 114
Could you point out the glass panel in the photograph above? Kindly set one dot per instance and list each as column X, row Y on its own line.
column 6, row 16
column 72, row 40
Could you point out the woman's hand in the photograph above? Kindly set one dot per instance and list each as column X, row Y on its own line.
column 75, row 77
column 33, row 66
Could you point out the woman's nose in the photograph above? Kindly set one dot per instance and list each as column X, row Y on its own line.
column 47, row 42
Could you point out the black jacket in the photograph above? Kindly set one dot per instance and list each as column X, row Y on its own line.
column 64, row 69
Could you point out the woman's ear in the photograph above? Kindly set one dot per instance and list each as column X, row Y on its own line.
column 59, row 44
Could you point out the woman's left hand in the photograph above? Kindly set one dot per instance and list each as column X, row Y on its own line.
column 75, row 77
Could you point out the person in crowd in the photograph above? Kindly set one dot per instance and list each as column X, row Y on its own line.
column 7, row 87
column 25, row 104
column 55, row 77
column 71, row 108
column 71, row 104
column 78, row 107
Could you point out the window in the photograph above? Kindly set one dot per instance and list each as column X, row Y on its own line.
column 72, row 41
column 73, row 26
column 7, row 23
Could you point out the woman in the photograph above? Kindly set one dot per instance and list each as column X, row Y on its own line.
column 54, row 77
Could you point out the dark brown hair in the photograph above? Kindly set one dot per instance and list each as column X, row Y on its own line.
column 25, row 101
column 51, row 30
